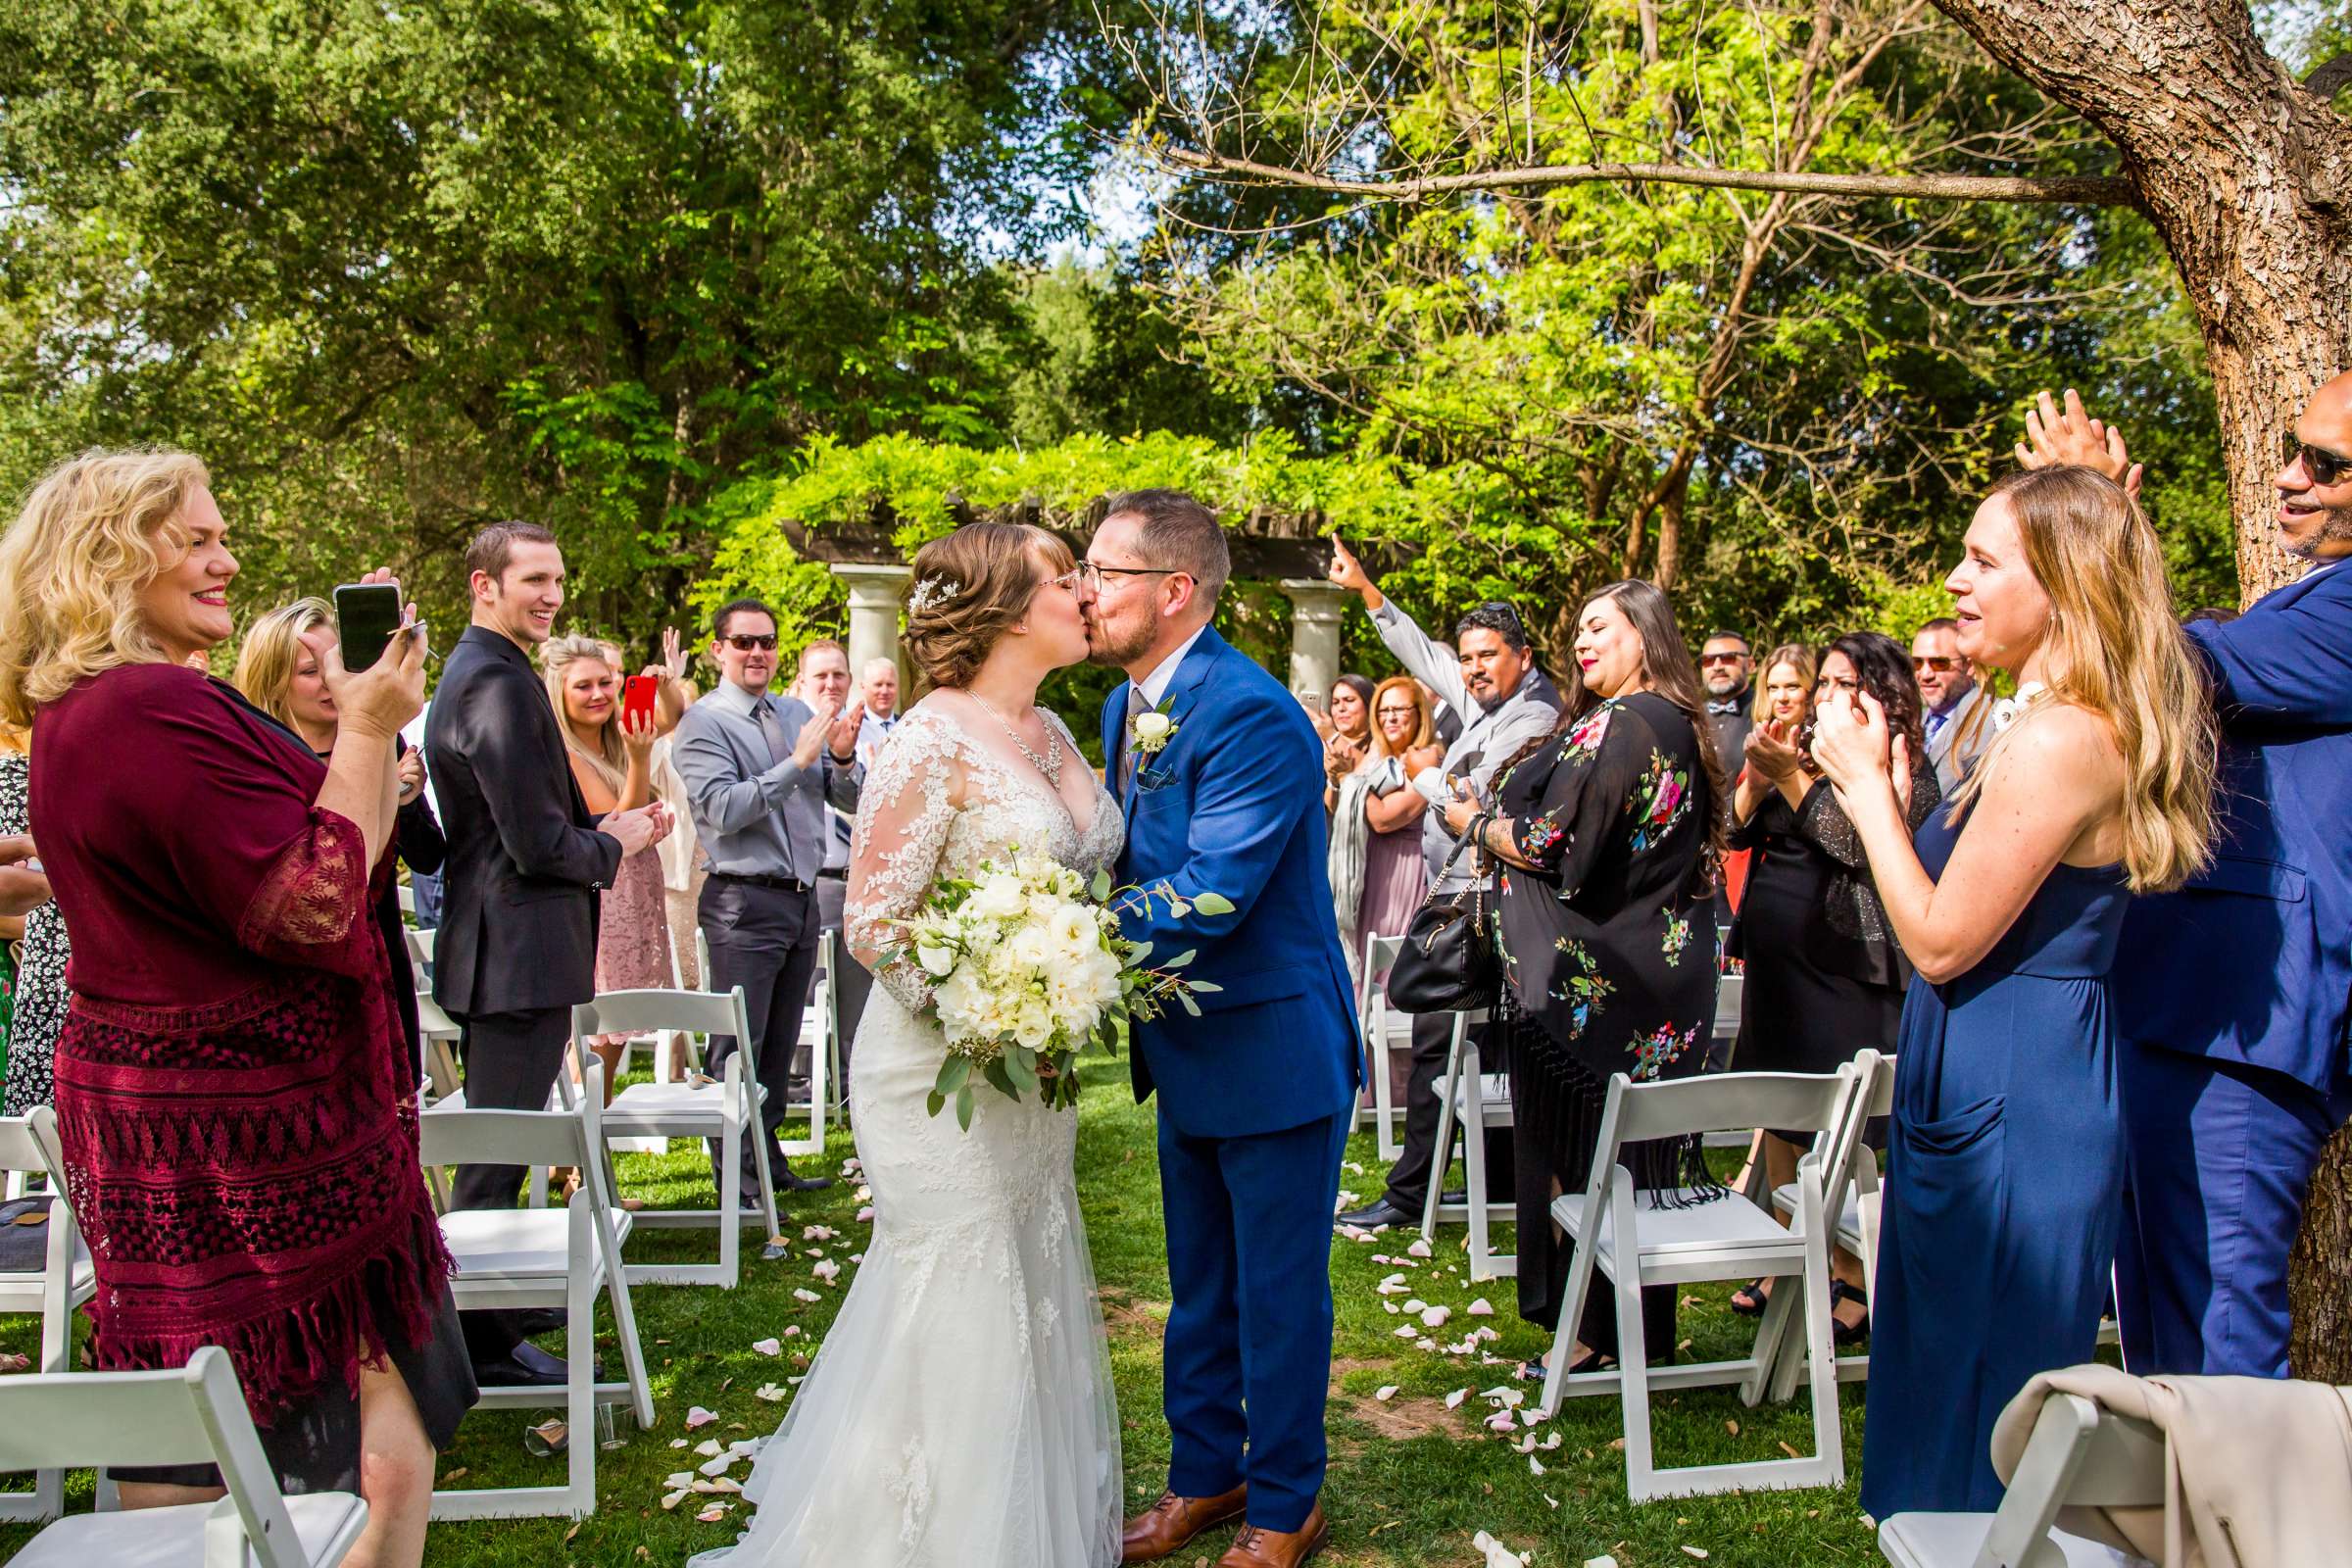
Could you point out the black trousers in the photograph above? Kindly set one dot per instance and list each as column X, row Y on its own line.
column 511, row 1061
column 851, row 980
column 1408, row 1178
column 765, row 940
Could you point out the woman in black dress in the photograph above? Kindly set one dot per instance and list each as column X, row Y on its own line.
column 1824, row 976
column 1610, row 836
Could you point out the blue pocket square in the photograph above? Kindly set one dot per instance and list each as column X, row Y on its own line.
column 1147, row 779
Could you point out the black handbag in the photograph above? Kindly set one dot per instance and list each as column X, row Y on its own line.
column 1448, row 962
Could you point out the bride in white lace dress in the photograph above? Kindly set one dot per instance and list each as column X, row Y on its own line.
column 960, row 1412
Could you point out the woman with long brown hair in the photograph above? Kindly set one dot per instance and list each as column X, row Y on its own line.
column 1609, row 833
column 2006, row 1157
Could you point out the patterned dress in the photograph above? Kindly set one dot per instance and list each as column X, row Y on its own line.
column 37, row 1000
column 1609, row 948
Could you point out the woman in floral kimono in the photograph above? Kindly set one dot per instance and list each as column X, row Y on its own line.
column 1609, row 833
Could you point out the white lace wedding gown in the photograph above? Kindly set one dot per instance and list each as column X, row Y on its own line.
column 960, row 1412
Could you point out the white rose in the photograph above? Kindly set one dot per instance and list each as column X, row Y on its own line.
column 999, row 898
column 938, row 961
column 1152, row 730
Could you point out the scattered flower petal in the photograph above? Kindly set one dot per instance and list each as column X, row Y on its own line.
column 1385, row 1393
column 1419, row 1249
column 697, row 1416
column 672, row 1499
column 1456, row 1397
column 769, row 1346
column 1482, row 1307
column 802, row 1294
column 1435, row 1317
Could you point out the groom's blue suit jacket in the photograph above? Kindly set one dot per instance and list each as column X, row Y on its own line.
column 1234, row 806
column 2252, row 961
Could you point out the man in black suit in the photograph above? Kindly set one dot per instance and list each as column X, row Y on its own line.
column 517, row 948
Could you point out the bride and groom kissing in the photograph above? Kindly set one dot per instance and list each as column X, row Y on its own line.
column 960, row 1412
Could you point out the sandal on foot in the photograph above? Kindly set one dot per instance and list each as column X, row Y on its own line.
column 1750, row 1300
column 1848, row 1333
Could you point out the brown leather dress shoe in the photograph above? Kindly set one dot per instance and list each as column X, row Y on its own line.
column 1168, row 1526
column 1275, row 1548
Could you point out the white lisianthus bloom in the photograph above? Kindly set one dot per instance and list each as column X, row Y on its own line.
column 1073, row 930
column 935, row 960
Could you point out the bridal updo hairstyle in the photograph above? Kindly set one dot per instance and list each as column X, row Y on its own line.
column 971, row 587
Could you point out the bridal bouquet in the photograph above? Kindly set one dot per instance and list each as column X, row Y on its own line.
column 1027, row 970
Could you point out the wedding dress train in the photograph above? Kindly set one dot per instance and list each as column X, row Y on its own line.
column 960, row 1413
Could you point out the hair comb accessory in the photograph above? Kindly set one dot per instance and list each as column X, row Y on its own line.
column 933, row 590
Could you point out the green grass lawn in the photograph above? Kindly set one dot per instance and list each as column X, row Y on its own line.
column 1410, row 1483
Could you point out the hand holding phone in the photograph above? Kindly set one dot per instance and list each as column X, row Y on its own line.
column 637, row 701
column 366, row 613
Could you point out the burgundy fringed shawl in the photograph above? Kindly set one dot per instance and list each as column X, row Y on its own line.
column 240, row 1144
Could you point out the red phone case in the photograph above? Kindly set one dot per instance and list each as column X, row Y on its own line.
column 637, row 698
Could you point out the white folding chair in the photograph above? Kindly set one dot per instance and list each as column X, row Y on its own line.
column 1475, row 1102
column 438, row 1032
column 1385, row 1030
column 1726, row 1033
column 1857, row 1229
column 2079, row 1456
column 406, row 896
column 183, row 1416
column 695, row 1108
column 820, row 1036
column 65, row 1280
column 540, row 1257
column 1686, row 1238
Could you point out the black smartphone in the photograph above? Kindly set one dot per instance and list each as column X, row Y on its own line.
column 368, row 614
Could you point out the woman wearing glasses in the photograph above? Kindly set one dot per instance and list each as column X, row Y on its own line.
column 1378, row 876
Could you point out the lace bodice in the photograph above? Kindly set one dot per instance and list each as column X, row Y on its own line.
column 940, row 799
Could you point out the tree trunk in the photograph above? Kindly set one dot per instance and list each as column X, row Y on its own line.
column 2320, row 1342
column 2247, row 176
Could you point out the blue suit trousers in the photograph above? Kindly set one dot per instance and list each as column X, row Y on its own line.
column 1248, row 1356
column 2218, row 1155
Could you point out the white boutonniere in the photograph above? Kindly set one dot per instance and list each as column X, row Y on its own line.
column 2009, row 710
column 1151, row 731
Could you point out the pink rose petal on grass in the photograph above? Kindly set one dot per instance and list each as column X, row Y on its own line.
column 802, row 1294
column 769, row 1346
column 697, row 1416
column 1385, row 1393
column 1482, row 1307
column 828, row 1271
column 1419, row 1249
column 712, row 1516
column 865, row 1217
column 1407, row 1332
column 1435, row 1317
column 1456, row 1397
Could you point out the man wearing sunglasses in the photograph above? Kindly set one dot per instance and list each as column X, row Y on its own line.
column 2232, row 994
column 1949, row 694
column 760, row 772
column 1727, row 668
column 1490, row 678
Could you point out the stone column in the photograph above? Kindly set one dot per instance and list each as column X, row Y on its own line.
column 1317, row 611
column 876, row 593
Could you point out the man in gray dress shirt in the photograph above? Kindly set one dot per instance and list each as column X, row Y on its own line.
column 759, row 772
column 1490, row 678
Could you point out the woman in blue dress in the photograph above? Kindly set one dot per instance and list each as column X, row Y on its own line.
column 2005, row 1160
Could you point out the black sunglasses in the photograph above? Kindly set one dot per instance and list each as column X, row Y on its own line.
column 744, row 642
column 1721, row 659
column 2324, row 466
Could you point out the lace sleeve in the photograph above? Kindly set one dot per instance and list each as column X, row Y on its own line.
column 903, row 813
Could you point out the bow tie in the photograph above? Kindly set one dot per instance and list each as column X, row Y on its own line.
column 1724, row 704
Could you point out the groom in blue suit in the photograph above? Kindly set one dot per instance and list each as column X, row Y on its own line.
column 2232, row 993
column 1222, row 785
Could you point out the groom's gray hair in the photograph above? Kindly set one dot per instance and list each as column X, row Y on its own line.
column 1178, row 532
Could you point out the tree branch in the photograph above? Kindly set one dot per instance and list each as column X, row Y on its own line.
column 2088, row 191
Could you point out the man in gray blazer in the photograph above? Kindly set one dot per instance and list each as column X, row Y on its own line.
column 759, row 772
column 1947, row 682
